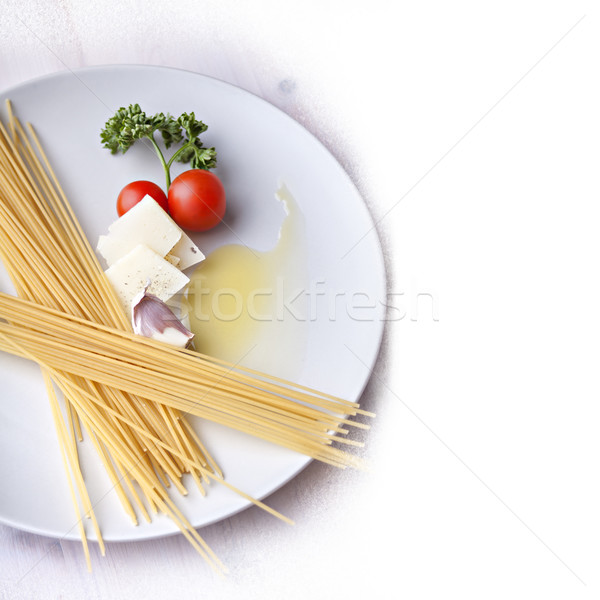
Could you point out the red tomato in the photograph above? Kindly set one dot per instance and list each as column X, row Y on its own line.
column 197, row 200
column 133, row 192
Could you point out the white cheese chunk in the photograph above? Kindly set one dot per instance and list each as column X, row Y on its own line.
column 174, row 260
column 130, row 275
column 146, row 223
column 188, row 253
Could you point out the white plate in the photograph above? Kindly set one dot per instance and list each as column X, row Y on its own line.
column 257, row 145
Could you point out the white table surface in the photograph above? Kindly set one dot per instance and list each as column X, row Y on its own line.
column 472, row 131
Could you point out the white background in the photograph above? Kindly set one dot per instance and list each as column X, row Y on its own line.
column 472, row 130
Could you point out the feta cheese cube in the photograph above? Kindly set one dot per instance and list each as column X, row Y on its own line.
column 146, row 223
column 142, row 266
column 187, row 252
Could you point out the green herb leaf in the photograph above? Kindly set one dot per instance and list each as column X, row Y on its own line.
column 171, row 132
column 130, row 124
column 198, row 156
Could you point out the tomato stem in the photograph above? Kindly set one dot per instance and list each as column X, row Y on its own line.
column 174, row 157
column 166, row 166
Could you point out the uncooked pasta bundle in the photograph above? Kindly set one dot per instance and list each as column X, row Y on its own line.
column 130, row 395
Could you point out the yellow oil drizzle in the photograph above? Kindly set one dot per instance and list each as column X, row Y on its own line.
column 244, row 305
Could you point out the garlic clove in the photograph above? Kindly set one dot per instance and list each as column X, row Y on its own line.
column 152, row 318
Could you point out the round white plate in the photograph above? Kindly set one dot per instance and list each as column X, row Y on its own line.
column 257, row 145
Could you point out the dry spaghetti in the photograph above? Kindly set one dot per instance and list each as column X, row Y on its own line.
column 130, row 395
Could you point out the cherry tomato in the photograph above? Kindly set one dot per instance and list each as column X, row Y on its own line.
column 133, row 192
column 197, row 200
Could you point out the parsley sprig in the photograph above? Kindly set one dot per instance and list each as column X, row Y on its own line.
column 130, row 124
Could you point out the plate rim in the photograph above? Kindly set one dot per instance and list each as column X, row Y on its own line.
column 370, row 221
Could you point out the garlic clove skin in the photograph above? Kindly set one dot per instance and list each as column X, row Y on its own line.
column 152, row 318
